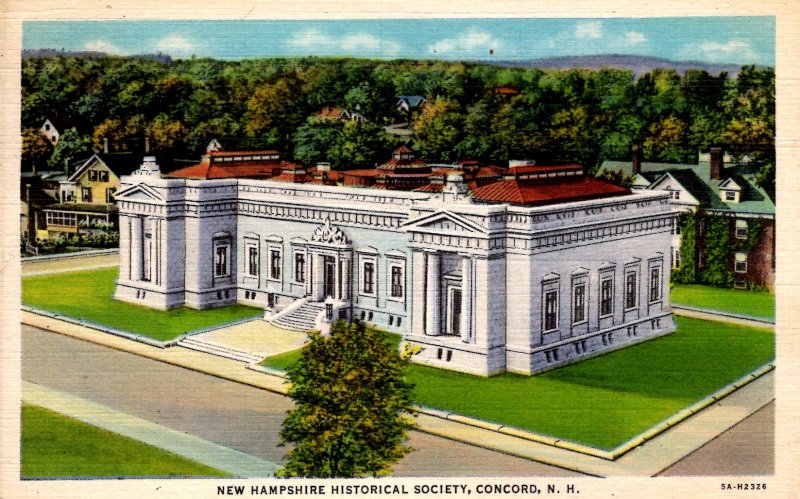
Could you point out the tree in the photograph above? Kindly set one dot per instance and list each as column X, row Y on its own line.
column 35, row 149
column 352, row 406
column 70, row 146
column 438, row 129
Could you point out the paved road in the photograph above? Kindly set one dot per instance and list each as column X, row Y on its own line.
column 237, row 416
column 746, row 449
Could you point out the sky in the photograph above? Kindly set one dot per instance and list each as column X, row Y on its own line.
column 729, row 40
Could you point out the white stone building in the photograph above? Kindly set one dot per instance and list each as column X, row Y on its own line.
column 482, row 286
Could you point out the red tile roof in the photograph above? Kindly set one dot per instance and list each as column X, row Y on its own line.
column 210, row 168
column 268, row 152
column 525, row 169
column 537, row 193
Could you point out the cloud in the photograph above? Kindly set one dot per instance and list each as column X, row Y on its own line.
column 590, row 30
column 310, row 38
column 731, row 51
column 315, row 41
column 364, row 42
column 101, row 46
column 473, row 42
column 175, row 44
column 635, row 38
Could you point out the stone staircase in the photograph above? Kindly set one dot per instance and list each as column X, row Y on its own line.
column 218, row 350
column 303, row 318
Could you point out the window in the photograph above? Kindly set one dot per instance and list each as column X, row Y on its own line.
column 676, row 226
column 676, row 194
column 741, row 229
column 86, row 194
column 147, row 254
column 676, row 263
column 275, row 264
column 579, row 303
column 368, row 284
column 102, row 176
column 92, row 176
column 47, row 127
column 299, row 267
column 606, row 296
column 252, row 259
column 730, row 195
column 61, row 218
column 741, row 263
column 396, row 290
column 221, row 264
column 550, row 310
column 110, row 195
column 630, row 290
column 655, row 284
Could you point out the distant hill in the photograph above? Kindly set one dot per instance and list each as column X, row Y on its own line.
column 34, row 53
column 639, row 65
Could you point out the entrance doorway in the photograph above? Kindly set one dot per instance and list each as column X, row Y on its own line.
column 329, row 277
column 454, row 307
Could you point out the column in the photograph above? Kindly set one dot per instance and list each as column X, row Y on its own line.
column 307, row 272
column 417, row 282
column 319, row 278
column 466, row 299
column 433, row 294
column 124, row 247
column 136, row 248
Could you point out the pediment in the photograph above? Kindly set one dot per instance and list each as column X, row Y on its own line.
column 444, row 221
column 138, row 192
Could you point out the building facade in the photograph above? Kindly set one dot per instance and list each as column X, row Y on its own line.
column 482, row 287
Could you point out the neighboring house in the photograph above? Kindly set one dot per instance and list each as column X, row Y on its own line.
column 717, row 190
column 86, row 201
column 543, row 271
column 337, row 113
column 409, row 103
column 34, row 197
column 52, row 128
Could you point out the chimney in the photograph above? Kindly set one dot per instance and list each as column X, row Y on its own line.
column 147, row 145
column 717, row 167
column 636, row 159
column 105, row 145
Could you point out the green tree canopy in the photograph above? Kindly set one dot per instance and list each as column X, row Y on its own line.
column 352, row 406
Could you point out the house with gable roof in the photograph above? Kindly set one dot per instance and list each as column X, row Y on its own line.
column 715, row 189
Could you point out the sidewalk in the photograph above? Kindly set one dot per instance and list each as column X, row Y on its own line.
column 646, row 460
column 202, row 451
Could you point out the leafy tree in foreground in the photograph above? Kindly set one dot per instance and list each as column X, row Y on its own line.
column 352, row 406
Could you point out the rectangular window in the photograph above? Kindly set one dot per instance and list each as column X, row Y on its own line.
column 741, row 229
column 676, row 194
column 741, row 263
column 221, row 268
column 369, row 278
column 730, row 195
column 606, row 296
column 102, row 176
column 579, row 303
column 92, row 176
column 110, row 195
column 397, row 282
column 550, row 310
column 630, row 290
column 655, row 284
column 677, row 260
column 275, row 264
column 252, row 260
column 86, row 194
column 299, row 267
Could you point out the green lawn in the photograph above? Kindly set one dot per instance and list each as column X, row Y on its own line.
column 54, row 445
column 736, row 301
column 89, row 294
column 605, row 401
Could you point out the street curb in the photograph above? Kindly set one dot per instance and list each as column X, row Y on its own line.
column 98, row 327
column 724, row 315
column 65, row 256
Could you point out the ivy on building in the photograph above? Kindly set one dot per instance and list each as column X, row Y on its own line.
column 686, row 271
column 718, row 248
